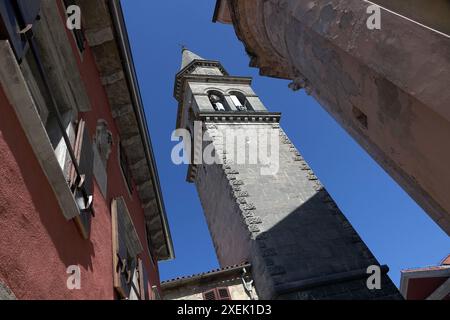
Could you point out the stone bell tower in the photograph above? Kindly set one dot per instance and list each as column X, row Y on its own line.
column 274, row 214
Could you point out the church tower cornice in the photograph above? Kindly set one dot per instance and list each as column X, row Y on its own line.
column 183, row 77
column 187, row 71
column 197, row 71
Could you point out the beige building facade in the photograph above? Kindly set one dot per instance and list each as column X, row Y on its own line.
column 232, row 283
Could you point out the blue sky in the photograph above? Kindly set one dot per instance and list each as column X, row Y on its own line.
column 398, row 232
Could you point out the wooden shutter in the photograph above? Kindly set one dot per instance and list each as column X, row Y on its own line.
column 143, row 281
column 223, row 294
column 217, row 294
column 122, row 272
column 135, row 293
column 85, row 156
column 83, row 186
column 210, row 295
column 126, row 247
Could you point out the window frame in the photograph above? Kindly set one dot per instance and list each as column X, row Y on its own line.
column 246, row 105
column 223, row 100
column 84, row 192
column 37, row 82
column 78, row 34
column 217, row 295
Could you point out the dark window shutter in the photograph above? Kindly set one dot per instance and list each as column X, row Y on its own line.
column 125, row 268
column 121, row 260
column 143, row 281
column 210, row 295
column 29, row 10
column 223, row 294
column 83, row 186
column 80, row 39
column 126, row 248
column 85, row 156
column 79, row 34
column 15, row 16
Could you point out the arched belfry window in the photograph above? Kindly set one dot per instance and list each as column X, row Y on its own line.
column 240, row 101
column 218, row 101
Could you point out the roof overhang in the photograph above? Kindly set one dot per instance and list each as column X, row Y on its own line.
column 409, row 276
column 222, row 13
column 224, row 273
column 107, row 36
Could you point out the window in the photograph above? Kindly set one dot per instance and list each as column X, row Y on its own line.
column 81, row 182
column 79, row 176
column 217, row 294
column 69, row 138
column 78, row 34
column 218, row 101
column 126, row 250
column 125, row 169
column 240, row 101
column 61, row 142
column 55, row 135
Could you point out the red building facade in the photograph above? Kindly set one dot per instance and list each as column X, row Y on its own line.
column 85, row 198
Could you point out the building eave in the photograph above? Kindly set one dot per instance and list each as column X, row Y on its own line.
column 427, row 272
column 216, row 11
column 235, row 270
column 107, row 36
column 219, row 12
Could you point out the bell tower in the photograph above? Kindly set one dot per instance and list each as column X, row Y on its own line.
column 262, row 202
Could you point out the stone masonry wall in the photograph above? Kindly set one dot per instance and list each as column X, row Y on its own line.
column 286, row 224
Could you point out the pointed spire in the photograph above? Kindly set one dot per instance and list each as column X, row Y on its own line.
column 188, row 57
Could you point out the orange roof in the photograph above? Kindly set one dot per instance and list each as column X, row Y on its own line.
column 446, row 261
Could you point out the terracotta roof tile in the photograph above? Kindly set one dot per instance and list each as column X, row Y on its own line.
column 211, row 272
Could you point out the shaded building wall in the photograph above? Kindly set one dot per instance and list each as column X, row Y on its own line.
column 432, row 13
column 286, row 225
column 37, row 243
column 387, row 88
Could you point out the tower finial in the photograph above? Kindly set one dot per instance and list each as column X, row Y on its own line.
column 183, row 47
column 188, row 56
